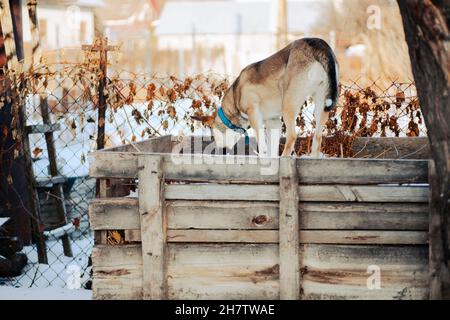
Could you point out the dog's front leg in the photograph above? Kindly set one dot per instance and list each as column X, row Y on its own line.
column 257, row 123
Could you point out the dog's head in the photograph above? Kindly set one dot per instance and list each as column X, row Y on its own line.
column 223, row 136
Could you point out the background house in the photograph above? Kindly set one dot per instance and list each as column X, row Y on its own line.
column 63, row 24
column 225, row 35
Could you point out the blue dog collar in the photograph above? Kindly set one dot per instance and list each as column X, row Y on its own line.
column 232, row 126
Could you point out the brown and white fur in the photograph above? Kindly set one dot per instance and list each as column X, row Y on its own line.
column 278, row 86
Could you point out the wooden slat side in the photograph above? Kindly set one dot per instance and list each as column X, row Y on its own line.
column 117, row 272
column 224, row 271
column 343, row 193
column 123, row 214
column 347, row 271
column 361, row 171
column 153, row 227
column 113, row 164
column 325, row 193
column 222, row 192
column 289, row 230
column 114, row 213
column 306, row 236
column 252, row 169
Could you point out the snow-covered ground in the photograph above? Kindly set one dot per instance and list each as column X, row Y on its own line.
column 61, row 271
column 49, row 293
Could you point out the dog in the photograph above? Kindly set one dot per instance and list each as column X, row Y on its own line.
column 277, row 87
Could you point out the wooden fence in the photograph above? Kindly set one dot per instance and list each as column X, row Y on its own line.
column 217, row 228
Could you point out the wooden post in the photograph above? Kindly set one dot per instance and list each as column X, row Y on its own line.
column 103, row 49
column 153, row 227
column 289, row 230
column 282, row 24
column 57, row 189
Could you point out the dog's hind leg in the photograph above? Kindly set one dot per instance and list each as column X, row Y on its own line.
column 292, row 102
column 321, row 117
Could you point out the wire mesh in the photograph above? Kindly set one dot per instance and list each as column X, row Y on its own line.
column 140, row 106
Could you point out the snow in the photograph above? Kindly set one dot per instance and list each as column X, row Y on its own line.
column 49, row 293
column 3, row 221
column 60, row 269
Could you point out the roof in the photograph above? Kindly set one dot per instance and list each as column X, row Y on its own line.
column 121, row 10
column 233, row 17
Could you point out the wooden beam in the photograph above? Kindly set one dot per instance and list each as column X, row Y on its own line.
column 323, row 193
column 289, row 230
column 251, row 169
column 153, row 227
column 123, row 214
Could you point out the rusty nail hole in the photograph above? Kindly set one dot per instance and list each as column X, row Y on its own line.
column 260, row 220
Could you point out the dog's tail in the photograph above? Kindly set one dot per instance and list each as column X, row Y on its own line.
column 324, row 55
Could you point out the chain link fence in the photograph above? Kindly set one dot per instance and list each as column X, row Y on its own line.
column 141, row 106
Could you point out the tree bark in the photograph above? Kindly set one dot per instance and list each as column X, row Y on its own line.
column 14, row 199
column 427, row 24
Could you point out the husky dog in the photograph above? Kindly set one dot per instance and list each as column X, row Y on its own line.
column 277, row 87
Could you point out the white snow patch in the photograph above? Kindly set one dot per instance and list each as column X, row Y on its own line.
column 49, row 293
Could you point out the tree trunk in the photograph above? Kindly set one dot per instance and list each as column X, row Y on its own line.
column 14, row 200
column 426, row 24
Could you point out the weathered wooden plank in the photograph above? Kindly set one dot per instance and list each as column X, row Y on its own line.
column 223, row 271
column 392, row 148
column 45, row 182
column 362, row 171
column 289, row 230
column 153, row 234
column 251, row 271
column 306, row 236
column 222, row 192
column 42, row 128
column 326, row 193
column 254, row 169
column 382, row 193
column 163, row 144
column 235, row 236
column 113, row 164
column 257, row 215
column 342, row 272
column 364, row 216
column 123, row 213
column 114, row 213
column 117, row 272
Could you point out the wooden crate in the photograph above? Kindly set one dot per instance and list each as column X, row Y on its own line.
column 310, row 229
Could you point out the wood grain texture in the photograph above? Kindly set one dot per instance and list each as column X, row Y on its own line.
column 306, row 236
column 153, row 228
column 117, row 272
column 289, row 230
column 325, row 193
column 255, row 170
column 392, row 148
column 123, row 213
column 251, row 271
column 342, row 272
